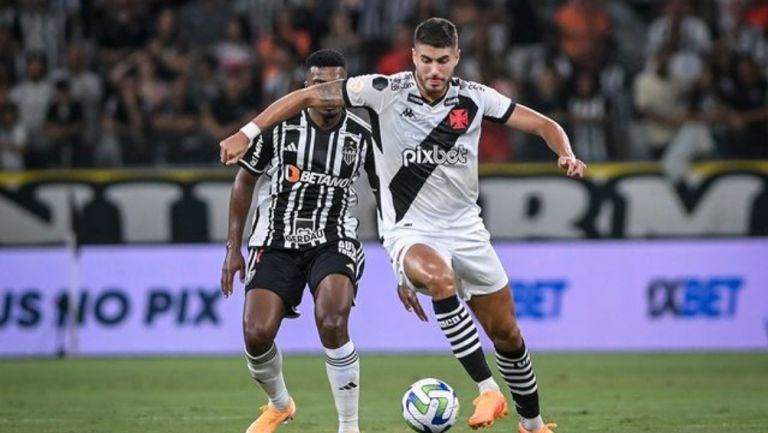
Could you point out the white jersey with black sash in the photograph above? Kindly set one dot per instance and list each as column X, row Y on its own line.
column 426, row 154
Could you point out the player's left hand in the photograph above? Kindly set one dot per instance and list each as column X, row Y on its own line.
column 411, row 302
column 233, row 263
column 233, row 148
column 573, row 166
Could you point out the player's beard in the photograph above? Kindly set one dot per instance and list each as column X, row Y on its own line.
column 434, row 89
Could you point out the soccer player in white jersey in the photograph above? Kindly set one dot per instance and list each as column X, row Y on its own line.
column 303, row 234
column 428, row 126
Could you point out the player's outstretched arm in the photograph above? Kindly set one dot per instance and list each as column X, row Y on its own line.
column 318, row 95
column 239, row 204
column 533, row 122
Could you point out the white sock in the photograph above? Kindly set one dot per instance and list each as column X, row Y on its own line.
column 343, row 368
column 267, row 370
column 532, row 424
column 488, row 385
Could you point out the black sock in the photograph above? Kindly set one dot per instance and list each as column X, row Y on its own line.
column 516, row 369
column 460, row 330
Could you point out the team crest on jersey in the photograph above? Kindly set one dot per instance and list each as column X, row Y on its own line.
column 355, row 85
column 459, row 118
column 349, row 151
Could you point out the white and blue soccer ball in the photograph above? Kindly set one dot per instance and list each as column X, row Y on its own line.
column 430, row 406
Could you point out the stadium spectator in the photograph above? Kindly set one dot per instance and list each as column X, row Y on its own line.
column 545, row 94
column 42, row 29
column 166, row 48
column 234, row 50
column 746, row 91
column 702, row 134
column 398, row 57
column 123, row 29
column 678, row 22
column 342, row 38
column 32, row 97
column 204, row 86
column 13, row 138
column 202, row 23
column 688, row 34
column 756, row 14
column 86, row 87
column 584, row 27
column 175, row 129
column 741, row 37
column 64, row 126
column 661, row 101
column 526, row 39
column 124, row 123
column 281, row 71
column 9, row 55
column 235, row 103
column 9, row 14
column 286, row 31
column 588, row 118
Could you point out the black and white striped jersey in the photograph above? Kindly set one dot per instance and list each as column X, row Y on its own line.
column 426, row 154
column 306, row 193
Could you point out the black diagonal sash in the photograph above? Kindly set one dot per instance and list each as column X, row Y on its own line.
column 409, row 180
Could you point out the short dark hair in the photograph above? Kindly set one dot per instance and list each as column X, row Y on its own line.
column 437, row 32
column 325, row 58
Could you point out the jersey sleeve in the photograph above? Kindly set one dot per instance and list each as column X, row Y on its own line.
column 496, row 107
column 258, row 156
column 370, row 91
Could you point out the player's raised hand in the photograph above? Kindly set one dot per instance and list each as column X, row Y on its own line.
column 573, row 166
column 233, row 148
column 411, row 302
column 233, row 263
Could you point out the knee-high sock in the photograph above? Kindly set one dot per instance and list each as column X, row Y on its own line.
column 343, row 368
column 516, row 369
column 267, row 370
column 459, row 328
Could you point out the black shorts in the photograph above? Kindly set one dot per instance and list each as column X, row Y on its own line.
column 286, row 272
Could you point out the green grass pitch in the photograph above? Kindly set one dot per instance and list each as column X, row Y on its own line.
column 611, row 393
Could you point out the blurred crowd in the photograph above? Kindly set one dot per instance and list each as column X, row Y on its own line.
column 106, row 83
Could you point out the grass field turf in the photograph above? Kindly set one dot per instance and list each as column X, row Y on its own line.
column 617, row 393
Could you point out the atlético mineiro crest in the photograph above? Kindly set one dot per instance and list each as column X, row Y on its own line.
column 350, row 151
column 458, row 118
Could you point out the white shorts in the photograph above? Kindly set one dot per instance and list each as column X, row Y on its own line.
column 476, row 266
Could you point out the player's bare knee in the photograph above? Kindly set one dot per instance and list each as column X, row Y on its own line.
column 441, row 285
column 332, row 329
column 258, row 337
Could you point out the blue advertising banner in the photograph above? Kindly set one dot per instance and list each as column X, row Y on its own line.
column 609, row 295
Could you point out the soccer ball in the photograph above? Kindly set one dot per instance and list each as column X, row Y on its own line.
column 430, row 406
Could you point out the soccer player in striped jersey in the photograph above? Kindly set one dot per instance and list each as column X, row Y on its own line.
column 302, row 234
column 426, row 158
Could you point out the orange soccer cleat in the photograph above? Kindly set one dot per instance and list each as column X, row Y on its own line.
column 489, row 406
column 271, row 418
column 546, row 429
